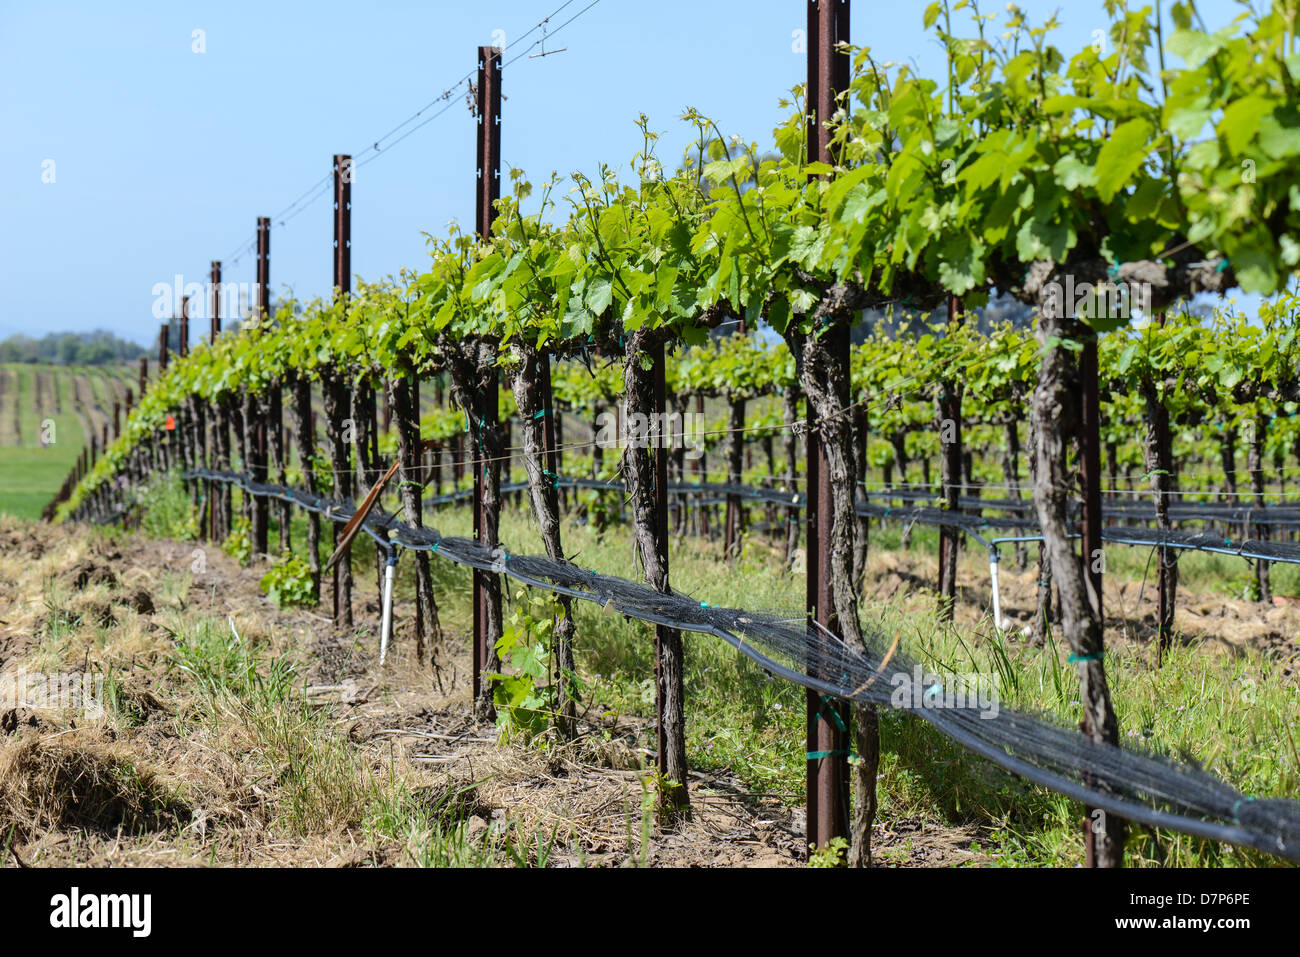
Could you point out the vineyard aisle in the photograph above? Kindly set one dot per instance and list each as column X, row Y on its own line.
column 36, row 402
column 388, row 768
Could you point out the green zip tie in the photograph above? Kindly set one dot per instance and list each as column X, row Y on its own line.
column 541, row 414
column 1095, row 656
column 1222, row 266
column 818, row 755
column 434, row 547
column 835, row 715
column 1238, row 803
column 704, row 604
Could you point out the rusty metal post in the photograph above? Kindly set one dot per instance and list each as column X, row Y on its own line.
column 182, row 418
column 827, row 736
column 215, row 492
column 144, row 374
column 263, row 268
column 343, row 169
column 342, row 223
column 271, row 413
column 488, row 173
column 257, row 454
column 1164, row 613
column 215, row 318
column 183, row 339
column 117, row 415
column 218, row 423
column 1090, row 527
column 950, row 444
column 1090, row 471
column 487, row 192
column 163, row 334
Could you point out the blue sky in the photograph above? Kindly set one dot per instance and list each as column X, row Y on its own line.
column 164, row 157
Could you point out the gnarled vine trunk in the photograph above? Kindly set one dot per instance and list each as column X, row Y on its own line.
column 1160, row 467
column 789, row 448
column 1055, row 410
column 735, row 457
column 336, row 407
column 532, row 395
column 473, row 367
column 643, row 472
column 404, row 399
column 276, row 447
column 254, row 439
column 304, row 437
column 825, row 381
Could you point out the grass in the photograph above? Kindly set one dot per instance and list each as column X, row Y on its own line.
column 30, row 473
column 248, row 697
column 29, row 477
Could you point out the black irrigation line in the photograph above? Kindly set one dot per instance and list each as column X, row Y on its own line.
column 1144, row 787
column 972, row 525
column 1224, row 512
column 1130, row 511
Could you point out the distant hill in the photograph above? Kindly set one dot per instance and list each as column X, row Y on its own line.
column 70, row 348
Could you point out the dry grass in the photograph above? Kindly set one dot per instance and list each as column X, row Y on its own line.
column 80, row 782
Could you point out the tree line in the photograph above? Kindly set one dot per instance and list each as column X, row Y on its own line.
column 96, row 348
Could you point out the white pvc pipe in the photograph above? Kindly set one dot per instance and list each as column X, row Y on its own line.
column 997, row 599
column 387, row 630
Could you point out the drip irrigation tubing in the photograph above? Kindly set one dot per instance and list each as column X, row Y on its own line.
column 972, row 525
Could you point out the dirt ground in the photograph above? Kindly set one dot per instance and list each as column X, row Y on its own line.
column 79, row 791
